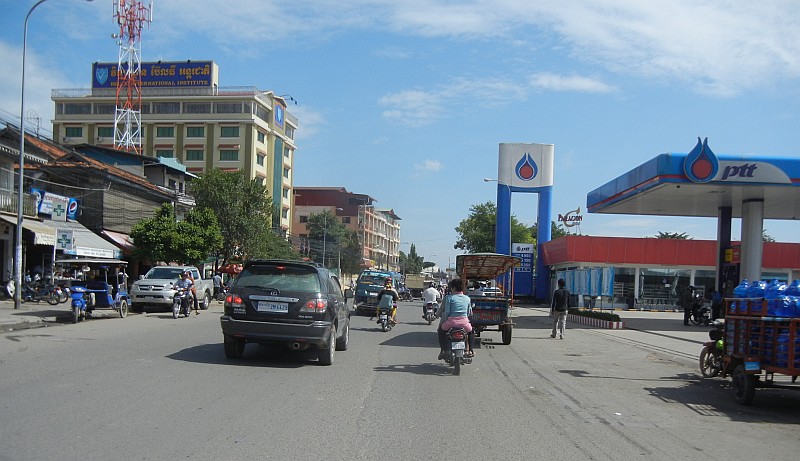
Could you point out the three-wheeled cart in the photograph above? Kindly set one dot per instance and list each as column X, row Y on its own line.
column 490, row 312
column 103, row 282
column 759, row 346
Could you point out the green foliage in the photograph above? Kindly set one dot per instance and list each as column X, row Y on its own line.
column 593, row 314
column 673, row 235
column 162, row 238
column 411, row 263
column 766, row 237
column 327, row 233
column 556, row 230
column 477, row 231
column 244, row 211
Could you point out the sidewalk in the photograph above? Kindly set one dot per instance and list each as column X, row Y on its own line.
column 37, row 315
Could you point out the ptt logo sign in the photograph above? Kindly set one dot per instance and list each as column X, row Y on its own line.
column 702, row 166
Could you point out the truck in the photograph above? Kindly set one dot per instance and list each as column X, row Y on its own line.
column 417, row 284
column 157, row 287
column 369, row 283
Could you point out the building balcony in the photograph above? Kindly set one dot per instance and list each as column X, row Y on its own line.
column 8, row 203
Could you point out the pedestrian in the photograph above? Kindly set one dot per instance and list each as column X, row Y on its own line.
column 687, row 300
column 217, row 279
column 559, row 308
column 716, row 305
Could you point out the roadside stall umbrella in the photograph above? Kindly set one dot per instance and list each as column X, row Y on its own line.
column 232, row 269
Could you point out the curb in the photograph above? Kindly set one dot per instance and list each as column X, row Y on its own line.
column 597, row 323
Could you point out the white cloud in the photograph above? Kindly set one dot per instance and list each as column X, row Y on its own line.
column 310, row 121
column 429, row 166
column 553, row 82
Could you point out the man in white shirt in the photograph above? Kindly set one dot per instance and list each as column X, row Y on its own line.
column 430, row 295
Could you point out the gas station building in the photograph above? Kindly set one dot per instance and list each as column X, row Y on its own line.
column 700, row 184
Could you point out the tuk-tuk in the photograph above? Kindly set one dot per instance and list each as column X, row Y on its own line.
column 103, row 283
column 490, row 311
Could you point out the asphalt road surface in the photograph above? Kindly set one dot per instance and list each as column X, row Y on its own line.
column 150, row 387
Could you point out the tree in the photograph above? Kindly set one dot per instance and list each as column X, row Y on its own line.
column 477, row 231
column 673, row 235
column 162, row 238
column 556, row 230
column 243, row 209
column 326, row 233
column 766, row 237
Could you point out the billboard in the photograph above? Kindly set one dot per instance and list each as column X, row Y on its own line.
column 525, row 167
column 159, row 74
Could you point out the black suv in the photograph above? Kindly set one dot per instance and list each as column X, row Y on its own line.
column 292, row 302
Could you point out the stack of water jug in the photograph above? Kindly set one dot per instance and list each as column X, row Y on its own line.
column 771, row 336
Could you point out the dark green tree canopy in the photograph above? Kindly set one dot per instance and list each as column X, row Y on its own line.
column 244, row 210
column 477, row 231
column 162, row 238
column 673, row 235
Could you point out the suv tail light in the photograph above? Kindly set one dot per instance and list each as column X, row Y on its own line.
column 313, row 306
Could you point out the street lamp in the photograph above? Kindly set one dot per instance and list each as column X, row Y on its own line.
column 325, row 233
column 20, row 190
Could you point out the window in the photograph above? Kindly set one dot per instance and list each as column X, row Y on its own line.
column 260, row 159
column 260, row 136
column 285, row 213
column 105, row 131
column 285, row 193
column 226, row 155
column 103, row 108
column 345, row 219
column 229, row 132
column 195, row 131
column 173, row 184
column 303, row 219
column 285, row 172
column 165, row 131
column 197, row 107
column 73, row 132
column 286, row 153
column 228, row 107
column 75, row 108
column 194, row 155
column 166, row 153
column 262, row 113
column 289, row 132
column 166, row 108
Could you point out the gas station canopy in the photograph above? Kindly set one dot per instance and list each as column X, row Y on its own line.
column 677, row 184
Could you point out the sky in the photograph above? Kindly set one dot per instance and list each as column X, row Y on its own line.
column 408, row 101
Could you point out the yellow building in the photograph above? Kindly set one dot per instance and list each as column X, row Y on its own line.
column 187, row 116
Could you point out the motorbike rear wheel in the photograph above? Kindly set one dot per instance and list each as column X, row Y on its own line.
column 52, row 299
column 76, row 314
column 708, row 365
column 456, row 365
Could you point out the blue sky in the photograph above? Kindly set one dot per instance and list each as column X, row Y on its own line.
column 407, row 101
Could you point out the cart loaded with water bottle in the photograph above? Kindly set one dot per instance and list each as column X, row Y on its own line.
column 761, row 344
column 490, row 312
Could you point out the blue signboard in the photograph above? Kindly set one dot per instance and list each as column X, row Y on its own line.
column 158, row 74
column 523, row 273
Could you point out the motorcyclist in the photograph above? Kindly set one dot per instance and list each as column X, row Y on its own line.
column 454, row 312
column 430, row 295
column 186, row 283
column 387, row 299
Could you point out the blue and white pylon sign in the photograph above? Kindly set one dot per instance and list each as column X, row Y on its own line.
column 525, row 168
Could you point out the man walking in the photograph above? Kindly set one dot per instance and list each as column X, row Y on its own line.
column 559, row 308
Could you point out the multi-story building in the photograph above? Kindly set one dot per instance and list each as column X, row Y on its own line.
column 187, row 116
column 378, row 228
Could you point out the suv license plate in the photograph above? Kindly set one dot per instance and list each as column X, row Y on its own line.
column 270, row 306
column 459, row 345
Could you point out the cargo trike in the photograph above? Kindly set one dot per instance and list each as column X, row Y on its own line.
column 490, row 312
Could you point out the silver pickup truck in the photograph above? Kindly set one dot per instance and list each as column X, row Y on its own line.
column 156, row 288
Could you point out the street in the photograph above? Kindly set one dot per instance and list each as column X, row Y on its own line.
column 151, row 387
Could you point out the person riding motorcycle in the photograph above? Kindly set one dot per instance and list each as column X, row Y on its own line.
column 429, row 295
column 454, row 312
column 186, row 283
column 386, row 301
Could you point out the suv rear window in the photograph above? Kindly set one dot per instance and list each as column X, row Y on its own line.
column 282, row 278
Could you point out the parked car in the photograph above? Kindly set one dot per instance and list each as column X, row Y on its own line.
column 292, row 302
column 157, row 287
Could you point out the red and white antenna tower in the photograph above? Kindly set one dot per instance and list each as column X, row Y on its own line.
column 131, row 17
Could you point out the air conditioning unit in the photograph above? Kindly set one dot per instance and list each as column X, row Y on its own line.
column 99, row 139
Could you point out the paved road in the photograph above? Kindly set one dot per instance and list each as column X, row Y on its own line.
column 151, row 387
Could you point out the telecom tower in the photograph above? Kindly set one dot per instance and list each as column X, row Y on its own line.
column 131, row 17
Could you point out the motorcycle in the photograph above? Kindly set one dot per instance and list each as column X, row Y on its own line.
column 711, row 355
column 455, row 349
column 430, row 311
column 701, row 314
column 182, row 302
column 62, row 292
column 385, row 319
column 79, row 303
column 37, row 292
column 222, row 293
